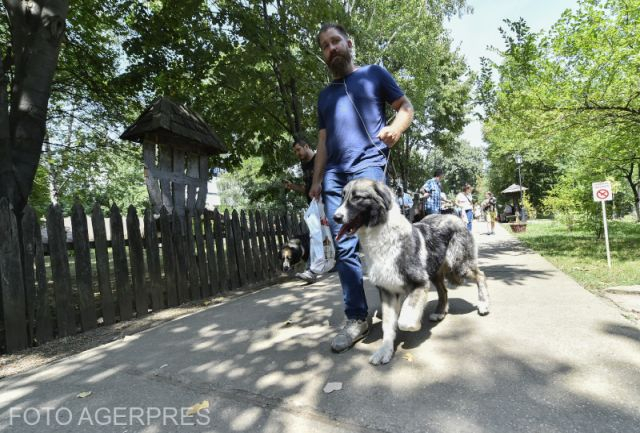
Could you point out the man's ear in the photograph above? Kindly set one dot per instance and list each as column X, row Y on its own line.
column 349, row 43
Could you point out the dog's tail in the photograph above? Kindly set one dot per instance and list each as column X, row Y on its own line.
column 461, row 257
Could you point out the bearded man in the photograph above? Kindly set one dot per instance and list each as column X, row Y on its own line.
column 353, row 143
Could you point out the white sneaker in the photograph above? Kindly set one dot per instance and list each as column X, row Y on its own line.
column 309, row 276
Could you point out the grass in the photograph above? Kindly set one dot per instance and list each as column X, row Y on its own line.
column 583, row 257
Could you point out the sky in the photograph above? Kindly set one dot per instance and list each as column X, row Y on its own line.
column 474, row 32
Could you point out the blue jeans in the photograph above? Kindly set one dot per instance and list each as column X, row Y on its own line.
column 347, row 260
column 469, row 218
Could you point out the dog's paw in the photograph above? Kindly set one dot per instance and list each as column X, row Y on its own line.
column 483, row 308
column 436, row 317
column 409, row 324
column 382, row 355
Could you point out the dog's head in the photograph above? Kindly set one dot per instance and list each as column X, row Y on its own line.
column 290, row 254
column 364, row 203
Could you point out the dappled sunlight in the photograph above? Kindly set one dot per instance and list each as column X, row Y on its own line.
column 106, row 374
column 262, row 363
column 245, row 420
column 179, row 329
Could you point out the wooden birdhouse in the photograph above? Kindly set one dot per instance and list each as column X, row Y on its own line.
column 177, row 144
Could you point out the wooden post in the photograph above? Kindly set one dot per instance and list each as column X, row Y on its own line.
column 168, row 258
column 153, row 260
column 214, row 279
column 231, row 251
column 179, row 241
column 11, row 282
column 123, row 284
column 193, row 171
column 246, row 244
column 102, row 265
column 223, row 273
column 255, row 249
column 178, row 187
column 29, row 224
column 264, row 260
column 204, row 179
column 149, row 152
column 44, row 325
column 57, row 237
column 273, row 244
column 84, row 282
column 201, row 255
column 192, row 263
column 237, row 237
column 165, row 167
column 136, row 256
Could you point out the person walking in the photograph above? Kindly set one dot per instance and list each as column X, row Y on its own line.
column 489, row 208
column 307, row 158
column 464, row 201
column 405, row 202
column 353, row 142
column 432, row 190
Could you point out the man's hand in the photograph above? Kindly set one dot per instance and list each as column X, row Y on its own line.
column 288, row 185
column 389, row 135
column 316, row 189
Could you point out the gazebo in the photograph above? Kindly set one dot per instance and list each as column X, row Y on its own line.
column 177, row 144
column 515, row 191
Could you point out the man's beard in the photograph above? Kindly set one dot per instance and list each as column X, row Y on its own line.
column 339, row 64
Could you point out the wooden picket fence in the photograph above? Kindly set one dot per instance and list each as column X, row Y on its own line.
column 60, row 288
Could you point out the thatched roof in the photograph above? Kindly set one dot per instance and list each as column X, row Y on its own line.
column 176, row 125
column 514, row 188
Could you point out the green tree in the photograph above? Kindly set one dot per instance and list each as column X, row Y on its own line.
column 568, row 101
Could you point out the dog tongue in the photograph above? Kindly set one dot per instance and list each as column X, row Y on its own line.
column 342, row 231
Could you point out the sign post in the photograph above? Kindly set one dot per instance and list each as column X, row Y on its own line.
column 602, row 192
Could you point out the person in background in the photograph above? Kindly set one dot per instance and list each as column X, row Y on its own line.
column 489, row 209
column 431, row 193
column 464, row 201
column 307, row 158
column 404, row 201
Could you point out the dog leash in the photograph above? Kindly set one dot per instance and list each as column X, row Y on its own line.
column 364, row 125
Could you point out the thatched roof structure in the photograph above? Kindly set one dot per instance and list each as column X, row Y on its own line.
column 513, row 188
column 177, row 125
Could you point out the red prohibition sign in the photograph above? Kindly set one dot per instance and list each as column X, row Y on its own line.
column 602, row 194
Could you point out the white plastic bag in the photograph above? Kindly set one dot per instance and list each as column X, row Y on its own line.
column 322, row 252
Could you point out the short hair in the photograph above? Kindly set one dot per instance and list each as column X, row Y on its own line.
column 300, row 139
column 327, row 26
column 438, row 172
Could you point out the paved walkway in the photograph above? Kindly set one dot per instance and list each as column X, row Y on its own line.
column 551, row 357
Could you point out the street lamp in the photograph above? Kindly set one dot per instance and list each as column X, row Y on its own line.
column 518, row 159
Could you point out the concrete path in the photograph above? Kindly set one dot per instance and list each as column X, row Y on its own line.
column 551, row 357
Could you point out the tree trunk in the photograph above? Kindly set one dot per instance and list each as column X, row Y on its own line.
column 37, row 30
column 635, row 188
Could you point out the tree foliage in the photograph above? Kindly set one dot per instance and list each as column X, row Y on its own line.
column 568, row 101
column 251, row 68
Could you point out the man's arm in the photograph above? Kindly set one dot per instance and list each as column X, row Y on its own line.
column 404, row 109
column 319, row 165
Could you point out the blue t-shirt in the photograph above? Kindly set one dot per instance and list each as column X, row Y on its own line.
column 349, row 148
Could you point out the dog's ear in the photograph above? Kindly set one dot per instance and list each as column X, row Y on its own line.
column 384, row 200
column 385, row 194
